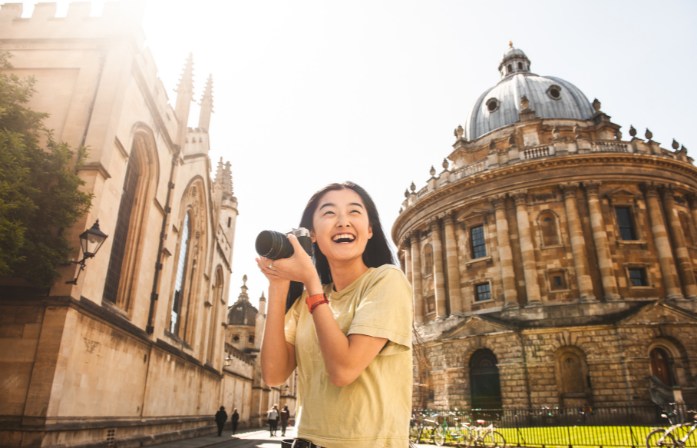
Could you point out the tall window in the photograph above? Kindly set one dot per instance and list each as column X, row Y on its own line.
column 637, row 277
column 213, row 328
column 625, row 222
column 428, row 260
column 181, row 273
column 686, row 228
column 485, row 384
column 477, row 242
column 548, row 228
column 118, row 248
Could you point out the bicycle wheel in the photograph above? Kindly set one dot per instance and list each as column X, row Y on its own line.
column 439, row 436
column 660, row 438
column 494, row 439
column 467, row 436
column 414, row 433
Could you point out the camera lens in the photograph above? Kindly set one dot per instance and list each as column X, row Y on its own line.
column 274, row 245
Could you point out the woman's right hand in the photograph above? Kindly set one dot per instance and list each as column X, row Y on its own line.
column 298, row 268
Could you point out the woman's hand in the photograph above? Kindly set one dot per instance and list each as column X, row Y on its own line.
column 298, row 268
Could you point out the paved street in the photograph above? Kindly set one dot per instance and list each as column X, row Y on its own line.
column 253, row 438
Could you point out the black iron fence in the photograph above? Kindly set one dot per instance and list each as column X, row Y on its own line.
column 603, row 427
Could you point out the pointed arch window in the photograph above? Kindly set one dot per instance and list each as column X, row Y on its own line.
column 118, row 248
column 179, row 283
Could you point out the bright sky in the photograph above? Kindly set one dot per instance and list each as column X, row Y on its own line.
column 308, row 93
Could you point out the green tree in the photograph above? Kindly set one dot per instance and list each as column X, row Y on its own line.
column 39, row 186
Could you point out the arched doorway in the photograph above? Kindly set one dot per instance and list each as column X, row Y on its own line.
column 660, row 366
column 484, row 380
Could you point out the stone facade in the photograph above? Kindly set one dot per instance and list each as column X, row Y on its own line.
column 133, row 352
column 553, row 263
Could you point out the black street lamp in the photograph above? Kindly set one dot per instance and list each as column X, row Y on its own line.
column 90, row 242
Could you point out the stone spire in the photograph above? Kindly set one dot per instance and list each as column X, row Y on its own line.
column 219, row 174
column 185, row 94
column 243, row 297
column 227, row 180
column 204, row 118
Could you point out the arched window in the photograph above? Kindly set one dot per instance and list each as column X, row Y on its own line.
column 179, row 282
column 686, row 228
column 484, row 380
column 509, row 68
column 215, row 306
column 660, row 366
column 129, row 237
column 118, row 248
column 548, row 229
column 428, row 260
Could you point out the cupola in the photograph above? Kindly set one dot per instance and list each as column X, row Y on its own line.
column 514, row 61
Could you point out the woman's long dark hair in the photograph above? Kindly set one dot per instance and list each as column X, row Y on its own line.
column 377, row 251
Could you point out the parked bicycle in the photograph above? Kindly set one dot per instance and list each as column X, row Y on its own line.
column 427, row 429
column 484, row 436
column 665, row 438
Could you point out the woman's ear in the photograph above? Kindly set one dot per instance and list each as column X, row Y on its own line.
column 370, row 232
column 312, row 236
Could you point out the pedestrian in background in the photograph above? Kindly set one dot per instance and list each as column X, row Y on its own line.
column 220, row 419
column 273, row 420
column 285, row 415
column 235, row 418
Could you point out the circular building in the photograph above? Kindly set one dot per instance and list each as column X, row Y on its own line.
column 552, row 261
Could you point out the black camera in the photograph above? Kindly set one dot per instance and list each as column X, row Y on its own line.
column 275, row 245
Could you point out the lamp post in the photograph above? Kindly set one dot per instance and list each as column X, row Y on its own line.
column 90, row 242
column 228, row 360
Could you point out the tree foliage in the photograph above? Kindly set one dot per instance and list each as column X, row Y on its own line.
column 39, row 187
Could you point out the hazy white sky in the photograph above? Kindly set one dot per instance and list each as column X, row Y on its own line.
column 308, row 93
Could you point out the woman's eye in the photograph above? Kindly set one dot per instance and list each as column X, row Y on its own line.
column 328, row 212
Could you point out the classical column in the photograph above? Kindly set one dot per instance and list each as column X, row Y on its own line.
column 687, row 275
column 578, row 242
column 467, row 293
column 602, row 247
column 510, row 292
column 660, row 238
column 416, row 274
column 439, row 280
column 693, row 207
column 453, row 266
column 407, row 261
column 527, row 248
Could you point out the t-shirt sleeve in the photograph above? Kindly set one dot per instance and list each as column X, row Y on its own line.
column 385, row 311
column 291, row 321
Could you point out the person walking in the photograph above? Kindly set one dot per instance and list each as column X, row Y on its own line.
column 273, row 420
column 220, row 419
column 285, row 415
column 235, row 419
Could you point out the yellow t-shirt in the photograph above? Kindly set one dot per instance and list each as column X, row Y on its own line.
column 374, row 410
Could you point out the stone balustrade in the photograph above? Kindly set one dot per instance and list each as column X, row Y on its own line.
column 536, row 152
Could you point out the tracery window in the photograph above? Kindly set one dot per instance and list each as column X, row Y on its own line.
column 118, row 248
column 215, row 305
column 180, row 276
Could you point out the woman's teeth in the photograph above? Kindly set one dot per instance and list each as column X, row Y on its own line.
column 343, row 238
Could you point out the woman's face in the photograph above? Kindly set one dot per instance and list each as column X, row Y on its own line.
column 341, row 225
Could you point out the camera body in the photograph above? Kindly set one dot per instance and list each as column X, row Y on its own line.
column 276, row 245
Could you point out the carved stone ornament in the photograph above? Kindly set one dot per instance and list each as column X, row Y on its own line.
column 618, row 135
column 406, row 193
column 675, row 145
column 459, row 132
column 592, row 187
column 498, row 201
column 432, row 171
column 492, row 145
column 692, row 199
column 569, row 189
column 446, row 164
column 524, row 102
column 412, row 187
column 632, row 131
column 649, row 188
column 448, row 219
column 520, row 196
column 555, row 132
column 596, row 105
column 648, row 134
column 511, row 140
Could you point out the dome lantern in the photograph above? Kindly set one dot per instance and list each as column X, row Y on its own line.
column 514, row 61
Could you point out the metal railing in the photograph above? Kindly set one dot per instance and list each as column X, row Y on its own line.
column 603, row 427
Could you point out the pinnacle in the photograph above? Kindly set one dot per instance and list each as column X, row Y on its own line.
column 186, row 82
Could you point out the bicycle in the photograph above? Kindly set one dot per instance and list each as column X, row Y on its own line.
column 433, row 432
column 485, row 436
column 660, row 437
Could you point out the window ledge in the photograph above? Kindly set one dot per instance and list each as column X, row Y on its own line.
column 476, row 302
column 478, row 260
column 554, row 291
column 641, row 287
column 631, row 242
column 555, row 246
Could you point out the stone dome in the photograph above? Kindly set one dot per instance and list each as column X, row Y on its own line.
column 242, row 313
column 548, row 96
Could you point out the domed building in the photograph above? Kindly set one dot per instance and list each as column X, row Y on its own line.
column 552, row 261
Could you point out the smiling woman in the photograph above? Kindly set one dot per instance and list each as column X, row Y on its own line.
column 354, row 354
